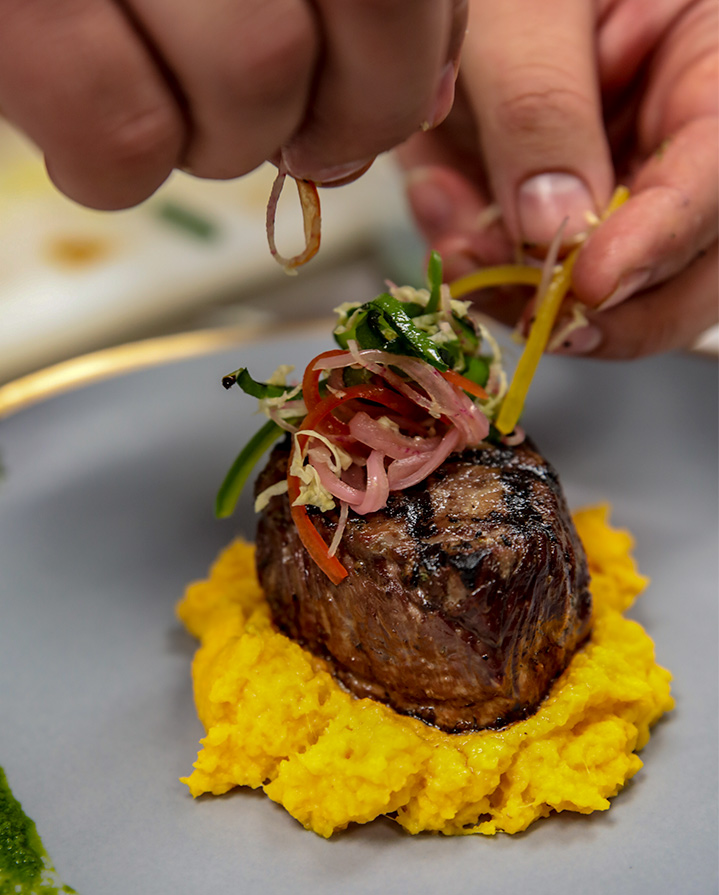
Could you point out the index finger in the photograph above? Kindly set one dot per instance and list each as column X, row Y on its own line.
column 529, row 71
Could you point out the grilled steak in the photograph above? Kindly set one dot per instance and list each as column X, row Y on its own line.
column 466, row 596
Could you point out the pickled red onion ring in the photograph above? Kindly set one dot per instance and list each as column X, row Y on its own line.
column 401, row 477
column 311, row 219
column 377, row 490
column 393, row 444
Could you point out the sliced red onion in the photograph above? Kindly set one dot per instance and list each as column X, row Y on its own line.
column 400, row 477
column 514, row 438
column 330, row 474
column 382, row 438
column 441, row 398
column 311, row 219
column 377, row 486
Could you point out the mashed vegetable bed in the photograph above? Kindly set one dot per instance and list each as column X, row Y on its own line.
column 276, row 718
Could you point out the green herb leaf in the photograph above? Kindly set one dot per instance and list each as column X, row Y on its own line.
column 416, row 342
column 239, row 472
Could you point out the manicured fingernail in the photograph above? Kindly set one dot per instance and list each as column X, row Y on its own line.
column 431, row 205
column 628, row 284
column 546, row 201
column 444, row 97
column 579, row 341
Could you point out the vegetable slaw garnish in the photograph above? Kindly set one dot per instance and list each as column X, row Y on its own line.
column 415, row 378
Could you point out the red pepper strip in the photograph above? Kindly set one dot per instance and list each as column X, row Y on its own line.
column 462, row 382
column 327, row 405
column 311, row 379
column 310, row 537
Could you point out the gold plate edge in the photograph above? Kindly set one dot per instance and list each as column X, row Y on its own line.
column 106, row 363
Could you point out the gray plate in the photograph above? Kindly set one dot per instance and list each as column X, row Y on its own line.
column 105, row 514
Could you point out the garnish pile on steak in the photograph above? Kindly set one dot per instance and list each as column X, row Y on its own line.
column 466, row 596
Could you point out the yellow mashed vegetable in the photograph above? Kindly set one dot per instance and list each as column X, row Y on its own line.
column 277, row 719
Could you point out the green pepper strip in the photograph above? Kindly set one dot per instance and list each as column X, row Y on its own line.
column 252, row 387
column 434, row 281
column 239, row 472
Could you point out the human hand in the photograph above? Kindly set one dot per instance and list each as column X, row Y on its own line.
column 558, row 101
column 117, row 94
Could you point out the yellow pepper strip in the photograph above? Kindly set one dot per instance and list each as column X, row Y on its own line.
column 619, row 197
column 503, row 275
column 539, row 334
column 544, row 318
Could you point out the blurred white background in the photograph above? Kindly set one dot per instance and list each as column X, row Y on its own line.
column 193, row 256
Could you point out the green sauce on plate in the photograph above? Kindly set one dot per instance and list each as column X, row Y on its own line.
column 25, row 866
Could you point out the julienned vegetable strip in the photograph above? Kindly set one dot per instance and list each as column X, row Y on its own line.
column 240, row 470
column 619, row 197
column 503, row 275
column 311, row 378
column 310, row 537
column 434, row 280
column 311, row 219
column 250, row 386
column 466, row 384
column 545, row 315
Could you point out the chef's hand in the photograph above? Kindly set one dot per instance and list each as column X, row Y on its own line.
column 117, row 94
column 559, row 101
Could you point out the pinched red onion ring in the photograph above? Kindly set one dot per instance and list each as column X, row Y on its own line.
column 311, row 218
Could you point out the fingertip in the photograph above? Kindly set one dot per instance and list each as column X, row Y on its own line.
column 578, row 342
column 444, row 96
column 628, row 284
column 665, row 317
column 325, row 176
column 134, row 152
column 92, row 97
column 104, row 192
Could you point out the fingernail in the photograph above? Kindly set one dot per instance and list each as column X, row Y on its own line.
column 444, row 97
column 582, row 340
column 546, row 201
column 334, row 175
column 431, row 205
column 628, row 284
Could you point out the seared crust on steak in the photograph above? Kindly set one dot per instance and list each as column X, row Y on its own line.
column 466, row 596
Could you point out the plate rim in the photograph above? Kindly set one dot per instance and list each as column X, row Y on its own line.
column 117, row 360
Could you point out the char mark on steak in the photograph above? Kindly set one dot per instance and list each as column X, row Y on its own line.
column 466, row 596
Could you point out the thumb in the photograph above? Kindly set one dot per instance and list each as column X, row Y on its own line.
column 530, row 75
